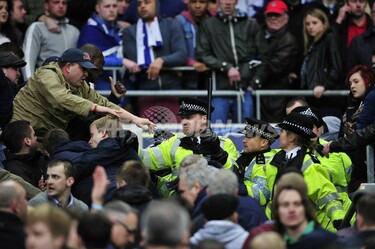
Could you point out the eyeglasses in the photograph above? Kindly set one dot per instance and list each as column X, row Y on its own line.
column 130, row 231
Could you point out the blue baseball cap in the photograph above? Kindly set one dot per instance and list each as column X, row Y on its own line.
column 78, row 56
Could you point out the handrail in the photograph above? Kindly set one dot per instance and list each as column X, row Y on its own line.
column 257, row 93
column 370, row 163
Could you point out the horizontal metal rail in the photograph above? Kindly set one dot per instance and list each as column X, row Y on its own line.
column 257, row 93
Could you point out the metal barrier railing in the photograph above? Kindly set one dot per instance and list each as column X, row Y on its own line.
column 137, row 93
column 257, row 93
column 370, row 163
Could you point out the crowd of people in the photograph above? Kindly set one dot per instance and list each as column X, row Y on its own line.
column 72, row 177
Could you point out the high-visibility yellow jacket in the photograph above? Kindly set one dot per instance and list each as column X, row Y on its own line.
column 255, row 178
column 321, row 191
column 339, row 168
column 167, row 156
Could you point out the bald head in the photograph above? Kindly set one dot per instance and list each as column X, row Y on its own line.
column 13, row 198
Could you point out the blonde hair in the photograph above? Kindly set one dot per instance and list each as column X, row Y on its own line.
column 319, row 14
column 267, row 240
column 57, row 220
column 108, row 124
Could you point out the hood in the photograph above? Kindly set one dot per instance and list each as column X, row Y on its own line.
column 191, row 19
column 226, row 232
column 72, row 150
column 134, row 195
column 73, row 146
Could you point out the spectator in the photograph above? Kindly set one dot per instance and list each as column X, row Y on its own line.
column 230, row 60
column 360, row 80
column 220, row 213
column 321, row 68
column 165, row 224
column 60, row 178
column 352, row 21
column 168, row 8
column 9, row 75
column 164, row 47
column 94, row 229
column 361, row 46
column 132, row 180
column 13, row 211
column 124, row 224
column 268, row 240
column 190, row 20
column 122, row 6
column 22, row 155
column 365, row 221
column 17, row 17
column 7, row 33
column 10, row 65
column 41, row 43
column 197, row 140
column 109, row 149
column 295, row 102
column 57, row 145
column 47, row 227
column 259, row 136
column 250, row 212
column 63, row 86
column 302, row 230
column 102, row 30
column 281, row 59
column 78, row 128
column 192, row 187
column 296, row 152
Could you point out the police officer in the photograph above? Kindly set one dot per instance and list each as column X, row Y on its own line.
column 338, row 164
column 296, row 151
column 164, row 159
column 259, row 136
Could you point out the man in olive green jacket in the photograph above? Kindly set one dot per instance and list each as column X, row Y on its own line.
column 58, row 92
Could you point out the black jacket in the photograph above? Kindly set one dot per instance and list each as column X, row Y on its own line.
column 342, row 30
column 111, row 155
column 323, row 64
column 30, row 167
column 360, row 50
column 357, row 139
column 215, row 49
column 12, row 235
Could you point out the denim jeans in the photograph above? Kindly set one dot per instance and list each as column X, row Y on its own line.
column 225, row 105
column 2, row 154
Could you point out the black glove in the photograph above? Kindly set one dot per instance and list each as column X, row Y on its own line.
column 240, row 172
column 128, row 140
column 210, row 147
column 337, row 224
column 161, row 135
column 320, row 148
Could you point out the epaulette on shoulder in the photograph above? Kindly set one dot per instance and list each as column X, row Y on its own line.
column 314, row 158
column 260, row 159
